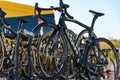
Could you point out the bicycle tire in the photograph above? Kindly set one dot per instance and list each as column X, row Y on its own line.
column 39, row 69
column 2, row 53
column 101, row 57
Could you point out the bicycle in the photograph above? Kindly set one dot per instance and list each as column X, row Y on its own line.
column 7, row 50
column 70, row 32
column 55, row 42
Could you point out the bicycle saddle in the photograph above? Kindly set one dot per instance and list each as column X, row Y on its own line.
column 96, row 13
column 22, row 20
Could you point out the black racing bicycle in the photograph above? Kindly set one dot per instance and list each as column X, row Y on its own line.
column 89, row 59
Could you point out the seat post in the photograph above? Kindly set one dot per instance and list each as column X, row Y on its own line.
column 92, row 24
column 96, row 15
column 20, row 24
column 93, row 21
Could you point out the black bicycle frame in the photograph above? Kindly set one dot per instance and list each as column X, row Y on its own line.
column 62, row 31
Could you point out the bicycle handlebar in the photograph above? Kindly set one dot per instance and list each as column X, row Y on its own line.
column 39, row 10
column 63, row 7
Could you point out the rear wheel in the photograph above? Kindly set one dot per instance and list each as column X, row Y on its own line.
column 102, row 59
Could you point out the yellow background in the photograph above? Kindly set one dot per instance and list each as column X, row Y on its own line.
column 16, row 9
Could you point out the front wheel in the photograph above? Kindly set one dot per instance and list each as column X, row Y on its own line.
column 51, row 55
column 52, row 58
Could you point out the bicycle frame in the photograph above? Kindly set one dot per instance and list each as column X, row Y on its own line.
column 63, row 27
column 73, row 45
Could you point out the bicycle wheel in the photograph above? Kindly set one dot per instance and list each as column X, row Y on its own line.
column 102, row 60
column 50, row 61
column 1, row 53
